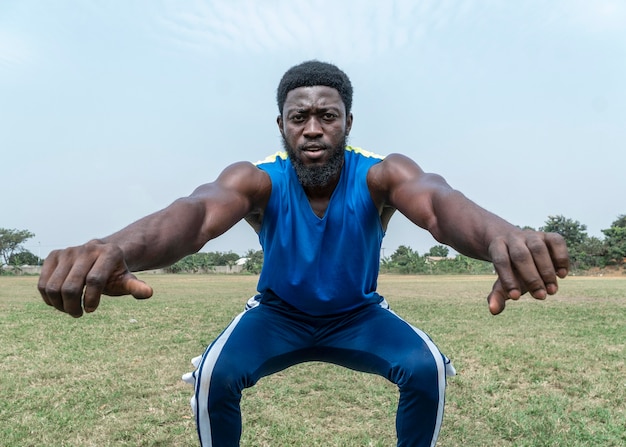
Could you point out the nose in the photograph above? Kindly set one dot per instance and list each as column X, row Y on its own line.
column 313, row 128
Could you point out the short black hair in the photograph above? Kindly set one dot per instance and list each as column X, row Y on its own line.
column 310, row 74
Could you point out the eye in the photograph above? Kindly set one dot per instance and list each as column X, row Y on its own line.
column 329, row 116
column 298, row 118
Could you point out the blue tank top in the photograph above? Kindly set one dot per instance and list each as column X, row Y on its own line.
column 327, row 265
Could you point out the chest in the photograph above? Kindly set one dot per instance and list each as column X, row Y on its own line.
column 319, row 205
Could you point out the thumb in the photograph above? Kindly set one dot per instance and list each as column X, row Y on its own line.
column 137, row 288
column 497, row 298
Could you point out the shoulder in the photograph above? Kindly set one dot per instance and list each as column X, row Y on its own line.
column 396, row 169
column 392, row 169
column 399, row 176
column 238, row 182
column 243, row 175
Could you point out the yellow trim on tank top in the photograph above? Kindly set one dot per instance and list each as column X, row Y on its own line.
column 283, row 155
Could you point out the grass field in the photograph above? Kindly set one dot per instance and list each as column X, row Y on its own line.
column 541, row 374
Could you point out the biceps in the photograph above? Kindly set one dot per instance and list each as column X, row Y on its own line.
column 418, row 199
column 222, row 210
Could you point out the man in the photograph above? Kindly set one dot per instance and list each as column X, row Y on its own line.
column 320, row 209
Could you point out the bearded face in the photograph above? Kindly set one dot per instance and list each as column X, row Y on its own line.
column 315, row 127
column 318, row 175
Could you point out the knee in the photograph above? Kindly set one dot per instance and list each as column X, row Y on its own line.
column 216, row 391
column 227, row 381
column 419, row 371
column 222, row 380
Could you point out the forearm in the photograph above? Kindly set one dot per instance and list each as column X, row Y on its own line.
column 162, row 238
column 184, row 227
column 465, row 226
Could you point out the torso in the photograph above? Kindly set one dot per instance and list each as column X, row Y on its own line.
column 322, row 248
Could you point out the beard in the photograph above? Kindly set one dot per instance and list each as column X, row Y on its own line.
column 317, row 176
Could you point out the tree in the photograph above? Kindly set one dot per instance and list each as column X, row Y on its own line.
column 439, row 251
column 592, row 253
column 406, row 260
column 615, row 241
column 575, row 235
column 572, row 231
column 254, row 262
column 229, row 258
column 24, row 258
column 11, row 242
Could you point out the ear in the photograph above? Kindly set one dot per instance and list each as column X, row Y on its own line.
column 349, row 120
column 279, row 121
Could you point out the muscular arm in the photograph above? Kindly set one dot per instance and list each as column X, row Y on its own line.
column 184, row 227
column 73, row 279
column 524, row 260
column 429, row 202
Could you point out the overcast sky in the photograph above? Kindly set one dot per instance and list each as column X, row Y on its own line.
column 110, row 110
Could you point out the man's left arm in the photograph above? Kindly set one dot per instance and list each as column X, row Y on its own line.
column 525, row 260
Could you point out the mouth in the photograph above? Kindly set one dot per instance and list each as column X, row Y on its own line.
column 313, row 151
column 313, row 147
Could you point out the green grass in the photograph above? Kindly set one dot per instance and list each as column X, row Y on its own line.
column 541, row 374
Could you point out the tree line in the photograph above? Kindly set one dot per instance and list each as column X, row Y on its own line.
column 586, row 253
column 206, row 262
column 436, row 261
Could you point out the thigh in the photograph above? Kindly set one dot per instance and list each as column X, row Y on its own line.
column 258, row 342
column 377, row 340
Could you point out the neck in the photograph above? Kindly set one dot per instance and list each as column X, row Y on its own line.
column 322, row 191
column 319, row 196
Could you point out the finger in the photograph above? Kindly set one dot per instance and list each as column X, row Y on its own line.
column 47, row 270
column 559, row 253
column 546, row 284
column 497, row 298
column 101, row 273
column 532, row 265
column 53, row 284
column 507, row 279
column 93, row 290
column 544, row 264
column 74, row 286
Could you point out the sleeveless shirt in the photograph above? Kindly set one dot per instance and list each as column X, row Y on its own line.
column 327, row 265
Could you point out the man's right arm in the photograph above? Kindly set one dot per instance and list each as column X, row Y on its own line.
column 73, row 279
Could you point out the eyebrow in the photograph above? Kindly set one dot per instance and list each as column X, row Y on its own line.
column 302, row 109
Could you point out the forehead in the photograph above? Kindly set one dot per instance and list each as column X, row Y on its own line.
column 319, row 96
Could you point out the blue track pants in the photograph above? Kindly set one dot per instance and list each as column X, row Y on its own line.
column 273, row 336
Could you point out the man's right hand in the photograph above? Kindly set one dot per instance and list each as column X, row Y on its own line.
column 73, row 279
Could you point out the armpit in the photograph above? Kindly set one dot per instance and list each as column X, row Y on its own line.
column 255, row 220
column 385, row 215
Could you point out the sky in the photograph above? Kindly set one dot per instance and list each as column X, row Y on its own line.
column 110, row 110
